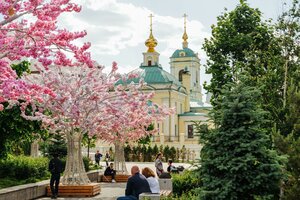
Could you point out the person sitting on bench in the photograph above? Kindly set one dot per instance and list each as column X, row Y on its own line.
column 109, row 171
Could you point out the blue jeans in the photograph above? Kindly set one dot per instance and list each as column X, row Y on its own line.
column 127, row 198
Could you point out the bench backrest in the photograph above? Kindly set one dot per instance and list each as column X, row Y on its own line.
column 165, row 184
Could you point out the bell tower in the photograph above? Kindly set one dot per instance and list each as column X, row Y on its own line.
column 185, row 60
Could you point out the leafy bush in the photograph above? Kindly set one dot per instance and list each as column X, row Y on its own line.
column 23, row 167
column 86, row 162
column 186, row 183
column 189, row 196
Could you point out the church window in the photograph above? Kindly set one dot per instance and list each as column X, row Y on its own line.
column 180, row 75
column 182, row 54
column 190, row 131
column 175, row 130
column 149, row 58
column 197, row 77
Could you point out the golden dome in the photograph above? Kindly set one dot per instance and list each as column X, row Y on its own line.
column 151, row 42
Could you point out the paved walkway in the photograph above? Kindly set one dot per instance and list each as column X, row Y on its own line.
column 110, row 191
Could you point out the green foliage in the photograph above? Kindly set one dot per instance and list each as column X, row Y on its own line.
column 89, row 142
column 155, row 150
column 127, row 152
column 53, row 143
column 236, row 162
column 10, row 182
column 146, row 153
column 22, row 168
column 86, row 162
column 58, row 145
column 173, row 154
column 147, row 138
column 149, row 155
column 288, row 143
column 242, row 44
column 186, row 183
column 21, row 68
column 15, row 131
column 186, row 196
column 166, row 152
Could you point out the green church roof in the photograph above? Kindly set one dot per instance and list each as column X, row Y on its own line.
column 187, row 53
column 154, row 75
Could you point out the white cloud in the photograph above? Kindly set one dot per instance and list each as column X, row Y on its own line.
column 115, row 27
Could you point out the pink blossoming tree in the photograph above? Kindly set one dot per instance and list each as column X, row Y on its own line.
column 72, row 100
column 28, row 29
column 88, row 101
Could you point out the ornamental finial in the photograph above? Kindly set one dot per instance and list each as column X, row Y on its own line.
column 185, row 36
column 151, row 42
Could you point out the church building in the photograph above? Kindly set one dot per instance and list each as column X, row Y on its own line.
column 179, row 89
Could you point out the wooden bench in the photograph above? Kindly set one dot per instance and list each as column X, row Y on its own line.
column 119, row 178
column 88, row 190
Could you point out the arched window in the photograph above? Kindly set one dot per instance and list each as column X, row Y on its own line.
column 149, row 58
column 180, row 75
column 182, row 54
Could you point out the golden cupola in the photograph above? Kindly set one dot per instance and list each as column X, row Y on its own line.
column 185, row 36
column 151, row 42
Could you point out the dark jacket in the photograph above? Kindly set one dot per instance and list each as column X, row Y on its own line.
column 109, row 171
column 136, row 185
column 98, row 156
column 55, row 166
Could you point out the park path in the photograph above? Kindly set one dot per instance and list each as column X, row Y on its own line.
column 110, row 191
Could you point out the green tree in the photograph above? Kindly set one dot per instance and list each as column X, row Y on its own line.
column 15, row 130
column 149, row 154
column 127, row 152
column 173, row 154
column 236, row 162
column 290, row 144
column 238, row 41
column 155, row 151
column 58, row 145
column 288, row 28
column 287, row 129
column 166, row 153
column 89, row 142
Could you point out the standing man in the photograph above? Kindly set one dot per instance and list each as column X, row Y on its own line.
column 98, row 156
column 136, row 184
column 55, row 167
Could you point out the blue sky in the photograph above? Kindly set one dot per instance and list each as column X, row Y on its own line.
column 118, row 29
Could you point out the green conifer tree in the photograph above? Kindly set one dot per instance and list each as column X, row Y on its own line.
column 235, row 160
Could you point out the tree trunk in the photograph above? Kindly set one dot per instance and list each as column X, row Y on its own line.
column 119, row 161
column 34, row 150
column 74, row 172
